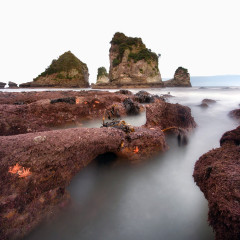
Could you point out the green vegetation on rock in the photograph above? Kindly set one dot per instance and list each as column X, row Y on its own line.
column 65, row 63
column 140, row 52
column 183, row 69
column 144, row 54
column 102, row 72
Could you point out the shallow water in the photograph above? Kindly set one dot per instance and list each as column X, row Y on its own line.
column 157, row 199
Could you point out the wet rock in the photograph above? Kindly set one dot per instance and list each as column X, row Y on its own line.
column 235, row 114
column 125, row 92
column 132, row 108
column 208, row 101
column 70, row 100
column 203, row 105
column 43, row 111
column 51, row 164
column 217, row 175
column 166, row 115
column 144, row 97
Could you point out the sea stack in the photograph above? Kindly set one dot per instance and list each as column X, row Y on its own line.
column 102, row 76
column 181, row 79
column 2, row 85
column 132, row 65
column 12, row 85
column 67, row 71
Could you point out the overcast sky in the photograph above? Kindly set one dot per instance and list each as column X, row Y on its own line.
column 201, row 35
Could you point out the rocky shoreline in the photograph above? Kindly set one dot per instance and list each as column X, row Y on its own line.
column 37, row 163
column 217, row 175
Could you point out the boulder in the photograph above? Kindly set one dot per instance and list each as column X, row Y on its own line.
column 235, row 114
column 181, row 79
column 168, row 115
column 217, row 175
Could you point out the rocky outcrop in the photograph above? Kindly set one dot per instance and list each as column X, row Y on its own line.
column 181, row 79
column 42, row 111
column 2, row 85
column 67, row 71
column 132, row 65
column 102, row 76
column 12, row 85
column 235, row 114
column 36, row 168
column 167, row 115
column 217, row 175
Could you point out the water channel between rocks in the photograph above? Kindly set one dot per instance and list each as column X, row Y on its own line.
column 154, row 200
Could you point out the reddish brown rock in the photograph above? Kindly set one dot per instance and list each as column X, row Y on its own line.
column 52, row 159
column 235, row 114
column 217, row 175
column 166, row 115
column 34, row 112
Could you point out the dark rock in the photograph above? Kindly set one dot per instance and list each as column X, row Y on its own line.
column 144, row 97
column 208, row 101
column 124, row 91
column 235, row 114
column 131, row 107
column 2, row 84
column 12, row 85
column 70, row 100
column 203, row 105
column 217, row 175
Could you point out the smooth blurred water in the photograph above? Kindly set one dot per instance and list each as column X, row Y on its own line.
column 155, row 200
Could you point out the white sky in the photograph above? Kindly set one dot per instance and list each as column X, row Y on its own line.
column 201, row 35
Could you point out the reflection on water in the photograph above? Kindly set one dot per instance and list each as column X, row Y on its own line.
column 154, row 200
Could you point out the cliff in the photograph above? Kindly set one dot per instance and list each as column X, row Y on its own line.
column 132, row 64
column 181, row 79
column 66, row 71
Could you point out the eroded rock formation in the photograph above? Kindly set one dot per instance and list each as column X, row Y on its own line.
column 181, row 79
column 2, row 85
column 166, row 115
column 35, row 168
column 67, row 71
column 217, row 175
column 132, row 65
column 42, row 111
column 12, row 85
column 102, row 76
column 52, row 158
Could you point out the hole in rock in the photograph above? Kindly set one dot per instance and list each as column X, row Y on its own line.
column 105, row 159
